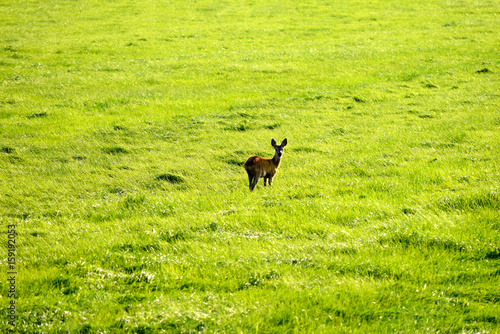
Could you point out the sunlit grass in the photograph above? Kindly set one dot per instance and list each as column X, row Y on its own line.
column 124, row 127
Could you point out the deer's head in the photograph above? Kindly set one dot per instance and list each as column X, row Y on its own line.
column 278, row 148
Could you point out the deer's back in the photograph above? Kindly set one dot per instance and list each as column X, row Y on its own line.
column 256, row 163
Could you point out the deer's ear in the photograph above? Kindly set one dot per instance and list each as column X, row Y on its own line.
column 273, row 142
column 283, row 143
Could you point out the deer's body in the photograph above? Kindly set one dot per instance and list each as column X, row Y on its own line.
column 258, row 167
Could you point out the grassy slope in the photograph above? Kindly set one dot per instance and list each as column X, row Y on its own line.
column 123, row 129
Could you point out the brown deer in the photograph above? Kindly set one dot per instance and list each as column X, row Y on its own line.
column 258, row 167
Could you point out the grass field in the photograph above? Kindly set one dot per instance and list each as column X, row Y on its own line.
column 124, row 126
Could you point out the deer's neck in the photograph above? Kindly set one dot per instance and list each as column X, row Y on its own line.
column 276, row 160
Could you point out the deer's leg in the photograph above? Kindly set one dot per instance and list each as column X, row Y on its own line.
column 265, row 181
column 270, row 181
column 254, row 183
column 250, row 179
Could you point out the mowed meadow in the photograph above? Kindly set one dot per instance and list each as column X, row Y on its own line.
column 124, row 126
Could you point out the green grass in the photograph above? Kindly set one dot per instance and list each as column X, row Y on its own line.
column 124, row 126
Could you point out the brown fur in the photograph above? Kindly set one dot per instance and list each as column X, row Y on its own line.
column 258, row 167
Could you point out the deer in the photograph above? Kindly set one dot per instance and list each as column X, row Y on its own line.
column 258, row 167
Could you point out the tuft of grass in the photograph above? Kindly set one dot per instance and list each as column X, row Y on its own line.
column 484, row 70
column 7, row 150
column 484, row 200
column 171, row 178
column 115, row 150
column 37, row 115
